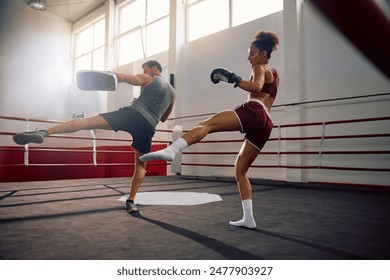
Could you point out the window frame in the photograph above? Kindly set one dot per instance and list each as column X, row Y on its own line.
column 91, row 52
column 143, row 29
column 191, row 3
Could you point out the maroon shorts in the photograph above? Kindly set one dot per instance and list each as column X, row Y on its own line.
column 255, row 123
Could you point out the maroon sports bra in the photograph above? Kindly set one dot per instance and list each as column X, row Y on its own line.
column 271, row 88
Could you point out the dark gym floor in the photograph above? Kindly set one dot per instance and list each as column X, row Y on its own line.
column 83, row 219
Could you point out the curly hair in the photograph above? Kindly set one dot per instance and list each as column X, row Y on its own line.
column 264, row 40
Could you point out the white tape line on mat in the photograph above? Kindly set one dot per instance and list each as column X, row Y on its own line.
column 173, row 198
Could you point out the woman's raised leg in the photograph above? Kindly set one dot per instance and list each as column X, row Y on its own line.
column 222, row 121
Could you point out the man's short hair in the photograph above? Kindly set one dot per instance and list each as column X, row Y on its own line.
column 152, row 63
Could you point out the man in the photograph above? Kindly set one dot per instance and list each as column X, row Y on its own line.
column 140, row 119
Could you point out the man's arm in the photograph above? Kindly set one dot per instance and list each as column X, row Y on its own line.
column 135, row 80
column 165, row 116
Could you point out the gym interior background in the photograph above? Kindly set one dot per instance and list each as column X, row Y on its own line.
column 331, row 121
column 41, row 51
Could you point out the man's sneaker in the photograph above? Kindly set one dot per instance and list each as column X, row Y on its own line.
column 30, row 137
column 130, row 207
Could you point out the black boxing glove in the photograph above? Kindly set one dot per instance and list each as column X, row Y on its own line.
column 222, row 74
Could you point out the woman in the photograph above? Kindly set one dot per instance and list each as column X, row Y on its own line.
column 251, row 118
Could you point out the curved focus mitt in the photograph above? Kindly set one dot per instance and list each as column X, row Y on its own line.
column 96, row 80
column 222, row 74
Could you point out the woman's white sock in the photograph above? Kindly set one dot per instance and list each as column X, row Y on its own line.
column 167, row 154
column 248, row 219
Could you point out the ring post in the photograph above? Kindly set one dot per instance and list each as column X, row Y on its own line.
column 321, row 144
column 94, row 151
column 26, row 154
column 176, row 163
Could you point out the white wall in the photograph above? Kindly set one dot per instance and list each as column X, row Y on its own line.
column 36, row 78
column 315, row 62
column 229, row 49
column 35, row 62
column 334, row 68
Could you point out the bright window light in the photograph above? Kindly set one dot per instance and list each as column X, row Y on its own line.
column 99, row 34
column 132, row 16
column 83, row 63
column 84, row 41
column 130, row 47
column 248, row 10
column 90, row 47
column 150, row 16
column 157, row 37
column 207, row 17
column 98, row 59
column 157, row 9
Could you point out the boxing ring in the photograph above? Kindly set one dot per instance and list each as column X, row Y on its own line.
column 95, row 152
column 275, row 158
column 84, row 217
column 320, row 152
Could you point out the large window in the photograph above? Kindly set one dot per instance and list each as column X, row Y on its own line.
column 89, row 47
column 248, row 10
column 143, row 29
column 205, row 17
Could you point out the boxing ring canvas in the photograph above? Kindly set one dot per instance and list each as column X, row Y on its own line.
column 84, row 219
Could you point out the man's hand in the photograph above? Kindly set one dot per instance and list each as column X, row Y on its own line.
column 119, row 77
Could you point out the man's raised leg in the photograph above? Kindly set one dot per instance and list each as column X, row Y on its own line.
column 38, row 136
